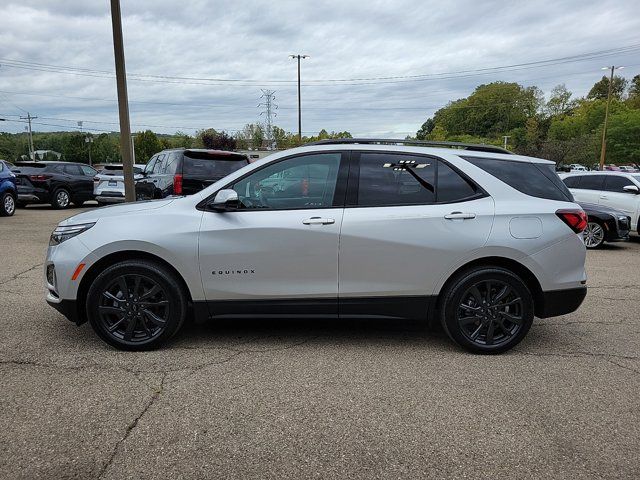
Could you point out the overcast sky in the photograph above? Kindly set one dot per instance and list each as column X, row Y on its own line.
column 56, row 59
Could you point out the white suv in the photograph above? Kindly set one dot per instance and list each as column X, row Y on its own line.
column 617, row 190
column 475, row 237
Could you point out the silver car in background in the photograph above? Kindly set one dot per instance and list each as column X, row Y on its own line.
column 108, row 184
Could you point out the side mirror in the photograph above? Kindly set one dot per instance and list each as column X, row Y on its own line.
column 225, row 200
column 631, row 189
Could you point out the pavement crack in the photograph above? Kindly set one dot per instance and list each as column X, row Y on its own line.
column 17, row 275
column 605, row 356
column 637, row 372
column 132, row 426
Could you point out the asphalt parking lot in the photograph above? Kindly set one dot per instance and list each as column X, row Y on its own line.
column 316, row 399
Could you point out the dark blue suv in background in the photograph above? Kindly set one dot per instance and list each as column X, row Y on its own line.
column 8, row 191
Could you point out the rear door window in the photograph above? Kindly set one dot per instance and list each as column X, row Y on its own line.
column 158, row 167
column 451, row 186
column 171, row 165
column 72, row 170
column 536, row 180
column 592, row 182
column 386, row 179
column 88, row 171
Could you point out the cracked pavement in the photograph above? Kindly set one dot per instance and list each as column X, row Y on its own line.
column 316, row 399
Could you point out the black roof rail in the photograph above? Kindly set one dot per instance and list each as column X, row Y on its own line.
column 424, row 143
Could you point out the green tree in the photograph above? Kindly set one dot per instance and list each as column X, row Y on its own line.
column 146, row 144
column 560, row 101
column 600, row 89
column 426, row 128
column 623, row 137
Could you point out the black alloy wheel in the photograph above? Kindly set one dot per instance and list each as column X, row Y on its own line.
column 487, row 310
column 136, row 305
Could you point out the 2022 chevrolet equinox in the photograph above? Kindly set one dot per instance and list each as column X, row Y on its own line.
column 476, row 237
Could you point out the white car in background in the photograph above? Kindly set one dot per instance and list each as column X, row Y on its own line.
column 618, row 190
column 473, row 236
column 576, row 167
column 108, row 183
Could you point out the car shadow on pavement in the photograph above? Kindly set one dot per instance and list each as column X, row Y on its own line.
column 292, row 329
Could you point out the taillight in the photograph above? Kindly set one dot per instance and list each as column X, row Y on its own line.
column 177, row 184
column 39, row 178
column 574, row 218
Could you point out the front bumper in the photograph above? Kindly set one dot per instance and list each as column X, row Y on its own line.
column 560, row 302
column 68, row 308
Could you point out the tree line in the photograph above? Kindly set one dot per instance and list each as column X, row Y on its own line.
column 105, row 147
column 561, row 128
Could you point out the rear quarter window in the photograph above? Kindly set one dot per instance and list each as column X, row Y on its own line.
column 536, row 180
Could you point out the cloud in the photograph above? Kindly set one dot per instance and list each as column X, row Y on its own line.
column 252, row 40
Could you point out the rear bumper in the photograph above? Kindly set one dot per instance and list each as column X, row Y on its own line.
column 560, row 302
column 109, row 199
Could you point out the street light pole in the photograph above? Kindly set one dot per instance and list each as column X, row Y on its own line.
column 603, row 148
column 123, row 103
column 299, row 57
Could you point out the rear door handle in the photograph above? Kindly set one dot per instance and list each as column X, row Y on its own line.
column 318, row 221
column 460, row 216
column 604, row 196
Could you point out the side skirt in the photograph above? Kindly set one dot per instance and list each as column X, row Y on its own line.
column 404, row 307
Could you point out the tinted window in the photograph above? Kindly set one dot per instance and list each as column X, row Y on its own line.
column 388, row 179
column 213, row 169
column 72, row 170
column 451, row 187
column 592, row 182
column 616, row 183
column 307, row 181
column 1, row 166
column 171, row 165
column 537, row 180
column 572, row 182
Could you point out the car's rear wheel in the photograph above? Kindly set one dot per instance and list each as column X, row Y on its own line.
column 136, row 305
column 61, row 198
column 593, row 235
column 7, row 205
column 487, row 310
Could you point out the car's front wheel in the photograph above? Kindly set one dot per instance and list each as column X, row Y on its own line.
column 487, row 310
column 136, row 305
column 593, row 235
column 7, row 205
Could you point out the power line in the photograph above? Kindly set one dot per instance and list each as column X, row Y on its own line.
column 323, row 82
column 269, row 113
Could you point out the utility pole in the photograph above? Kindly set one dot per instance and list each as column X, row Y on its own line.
column 28, row 118
column 299, row 57
column 89, row 139
column 506, row 137
column 603, row 149
column 123, row 103
column 268, row 112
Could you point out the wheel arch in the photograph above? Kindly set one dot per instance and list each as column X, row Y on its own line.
column 119, row 256
column 513, row 266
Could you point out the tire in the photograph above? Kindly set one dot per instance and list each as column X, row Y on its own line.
column 20, row 204
column 154, row 313
column 593, row 235
column 61, row 198
column 492, row 327
column 78, row 203
column 7, row 205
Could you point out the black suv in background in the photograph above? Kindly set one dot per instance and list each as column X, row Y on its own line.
column 184, row 172
column 57, row 183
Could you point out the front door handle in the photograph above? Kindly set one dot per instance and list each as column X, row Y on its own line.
column 460, row 216
column 318, row 221
column 604, row 196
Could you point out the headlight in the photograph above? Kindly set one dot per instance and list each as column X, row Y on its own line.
column 61, row 234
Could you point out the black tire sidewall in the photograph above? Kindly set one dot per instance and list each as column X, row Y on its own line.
column 453, row 296
column 164, row 277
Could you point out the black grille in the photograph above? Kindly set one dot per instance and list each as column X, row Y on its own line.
column 623, row 223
